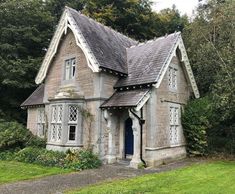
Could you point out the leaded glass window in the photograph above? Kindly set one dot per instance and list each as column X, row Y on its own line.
column 72, row 121
column 73, row 113
column 56, row 122
column 174, row 125
column 172, row 78
column 41, row 122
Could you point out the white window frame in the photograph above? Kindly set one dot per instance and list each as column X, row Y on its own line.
column 41, row 122
column 174, row 124
column 56, row 122
column 72, row 122
column 172, row 77
column 69, row 68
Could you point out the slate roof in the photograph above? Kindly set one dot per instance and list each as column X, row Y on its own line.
column 107, row 45
column 129, row 98
column 36, row 98
column 146, row 60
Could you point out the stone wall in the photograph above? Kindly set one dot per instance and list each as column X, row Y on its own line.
column 32, row 120
column 84, row 77
column 92, row 87
column 157, row 137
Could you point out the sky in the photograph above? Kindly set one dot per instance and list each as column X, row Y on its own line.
column 184, row 6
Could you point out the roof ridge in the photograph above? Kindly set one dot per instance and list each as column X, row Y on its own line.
column 99, row 23
column 155, row 39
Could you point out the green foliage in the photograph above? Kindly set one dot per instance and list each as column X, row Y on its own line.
column 221, row 139
column 36, row 141
column 210, row 42
column 25, row 29
column 196, row 120
column 14, row 135
column 40, row 156
column 83, row 159
column 7, row 155
column 76, row 160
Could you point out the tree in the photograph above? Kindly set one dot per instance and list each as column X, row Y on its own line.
column 210, row 40
column 25, row 30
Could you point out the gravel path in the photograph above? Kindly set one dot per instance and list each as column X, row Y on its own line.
column 58, row 183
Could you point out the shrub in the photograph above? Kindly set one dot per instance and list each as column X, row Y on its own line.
column 7, row 155
column 14, row 135
column 74, row 159
column 35, row 141
column 28, row 155
column 41, row 156
column 82, row 159
column 196, row 121
column 51, row 158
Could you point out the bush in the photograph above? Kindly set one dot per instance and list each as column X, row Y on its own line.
column 77, row 160
column 221, row 139
column 15, row 136
column 196, row 121
column 82, row 159
column 7, row 155
column 35, row 141
column 41, row 156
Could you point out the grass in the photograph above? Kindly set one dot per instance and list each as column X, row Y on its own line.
column 207, row 178
column 11, row 171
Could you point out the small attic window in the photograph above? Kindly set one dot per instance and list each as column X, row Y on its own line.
column 70, row 69
column 172, row 78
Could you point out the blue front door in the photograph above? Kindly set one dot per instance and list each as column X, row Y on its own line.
column 129, row 138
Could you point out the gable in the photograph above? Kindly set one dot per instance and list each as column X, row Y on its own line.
column 102, row 46
column 180, row 49
column 83, row 80
column 148, row 63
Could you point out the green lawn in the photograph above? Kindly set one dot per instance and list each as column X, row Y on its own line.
column 212, row 178
column 11, row 171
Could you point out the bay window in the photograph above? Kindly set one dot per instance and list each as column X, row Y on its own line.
column 65, row 125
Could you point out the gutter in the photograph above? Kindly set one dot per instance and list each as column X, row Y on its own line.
column 141, row 122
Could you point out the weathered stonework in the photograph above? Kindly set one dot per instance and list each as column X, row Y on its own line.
column 32, row 120
column 139, row 75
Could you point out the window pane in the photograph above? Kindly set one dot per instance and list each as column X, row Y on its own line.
column 72, row 132
column 171, row 115
column 40, row 131
column 53, row 132
column 60, row 112
column 70, row 66
column 176, row 116
column 54, row 114
column 59, row 132
column 73, row 113
column 73, row 68
column 170, row 77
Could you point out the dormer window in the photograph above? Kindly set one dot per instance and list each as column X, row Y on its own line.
column 172, row 78
column 70, row 68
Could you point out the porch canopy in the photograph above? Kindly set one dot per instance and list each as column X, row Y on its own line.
column 127, row 99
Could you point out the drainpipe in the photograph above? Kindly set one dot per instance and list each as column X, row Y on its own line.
column 141, row 122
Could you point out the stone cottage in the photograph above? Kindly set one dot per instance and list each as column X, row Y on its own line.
column 99, row 88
